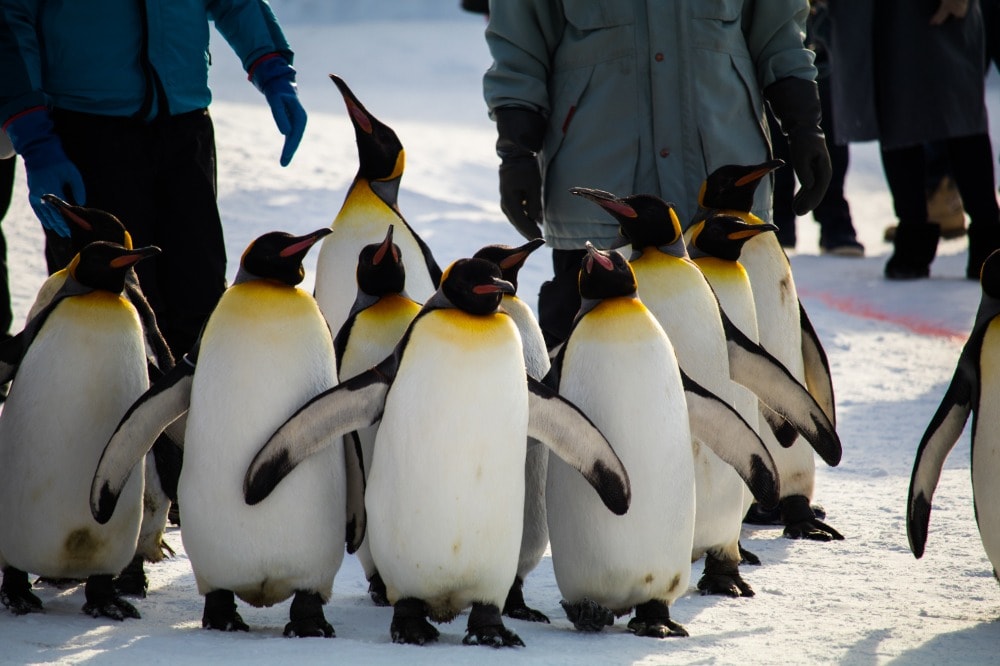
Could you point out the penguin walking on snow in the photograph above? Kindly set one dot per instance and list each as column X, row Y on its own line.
column 380, row 316
column 607, row 566
column 84, row 363
column 445, row 495
column 714, row 353
column 785, row 331
column 535, row 537
column 264, row 350
column 974, row 388
column 368, row 210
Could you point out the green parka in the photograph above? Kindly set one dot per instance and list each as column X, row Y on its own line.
column 642, row 96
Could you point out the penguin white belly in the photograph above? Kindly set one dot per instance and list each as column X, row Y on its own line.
column 446, row 491
column 678, row 295
column 265, row 351
column 986, row 446
column 83, row 370
column 363, row 220
column 620, row 369
column 780, row 331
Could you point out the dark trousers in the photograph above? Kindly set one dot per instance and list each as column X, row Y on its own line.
column 6, row 192
column 159, row 179
column 559, row 298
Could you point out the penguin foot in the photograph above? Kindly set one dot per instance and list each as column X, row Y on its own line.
column 588, row 615
column 746, row 557
column 132, row 581
column 723, row 577
column 58, row 583
column 516, row 608
column 410, row 625
column 306, row 617
column 652, row 620
column 376, row 590
column 486, row 628
column 104, row 601
column 16, row 595
column 220, row 612
column 802, row 522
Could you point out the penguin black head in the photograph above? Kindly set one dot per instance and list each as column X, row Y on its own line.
column 723, row 236
column 103, row 265
column 380, row 268
column 605, row 274
column 380, row 151
column 278, row 256
column 644, row 220
column 87, row 225
column 732, row 187
column 509, row 259
column 475, row 286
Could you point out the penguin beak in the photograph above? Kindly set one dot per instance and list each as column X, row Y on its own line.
column 595, row 255
column 752, row 230
column 66, row 210
column 494, row 286
column 357, row 112
column 520, row 254
column 132, row 257
column 759, row 172
column 385, row 248
column 301, row 244
column 606, row 200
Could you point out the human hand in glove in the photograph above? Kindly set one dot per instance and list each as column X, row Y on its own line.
column 48, row 169
column 520, row 132
column 795, row 103
column 274, row 77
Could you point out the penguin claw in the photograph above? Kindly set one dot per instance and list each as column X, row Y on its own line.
column 657, row 629
column 813, row 530
column 309, row 629
column 412, row 631
column 732, row 585
column 526, row 613
column 493, row 636
column 115, row 608
column 132, row 581
column 21, row 603
column 746, row 557
column 588, row 615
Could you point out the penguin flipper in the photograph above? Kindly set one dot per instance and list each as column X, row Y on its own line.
column 818, row 378
column 355, row 468
column 720, row 427
column 11, row 353
column 162, row 404
column 754, row 367
column 162, row 355
column 352, row 405
column 572, row 436
column 937, row 442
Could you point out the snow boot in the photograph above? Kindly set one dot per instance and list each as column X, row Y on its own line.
column 915, row 247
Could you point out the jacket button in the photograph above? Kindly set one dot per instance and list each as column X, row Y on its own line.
column 664, row 152
column 658, row 57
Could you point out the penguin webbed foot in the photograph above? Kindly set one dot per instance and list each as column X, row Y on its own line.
column 515, row 606
column 723, row 577
column 409, row 623
column 220, row 612
column 652, row 620
column 132, row 581
column 306, row 618
column 115, row 608
column 746, row 557
column 802, row 521
column 377, row 591
column 588, row 615
column 486, row 628
column 16, row 595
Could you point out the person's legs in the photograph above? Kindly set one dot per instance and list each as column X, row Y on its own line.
column 915, row 243
column 971, row 159
column 559, row 298
column 836, row 230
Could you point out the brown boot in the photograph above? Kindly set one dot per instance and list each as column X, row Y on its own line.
column 945, row 208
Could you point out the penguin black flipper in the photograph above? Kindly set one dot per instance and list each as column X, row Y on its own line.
column 349, row 406
column 722, row 429
column 11, row 353
column 817, row 367
column 754, row 367
column 162, row 404
column 572, row 436
column 355, row 469
column 937, row 442
column 162, row 356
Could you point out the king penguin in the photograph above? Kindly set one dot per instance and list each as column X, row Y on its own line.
column 714, row 353
column 264, row 350
column 83, row 365
column 445, row 495
column 606, row 566
column 973, row 389
column 369, row 208
column 378, row 319
column 785, row 330
column 535, row 537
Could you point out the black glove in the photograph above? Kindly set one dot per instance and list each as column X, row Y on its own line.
column 520, row 134
column 795, row 103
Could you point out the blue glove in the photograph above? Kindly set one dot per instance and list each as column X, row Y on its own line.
column 48, row 169
column 274, row 77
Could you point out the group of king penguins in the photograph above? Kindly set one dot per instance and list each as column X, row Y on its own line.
column 411, row 418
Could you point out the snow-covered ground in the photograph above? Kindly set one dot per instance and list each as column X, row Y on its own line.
column 892, row 347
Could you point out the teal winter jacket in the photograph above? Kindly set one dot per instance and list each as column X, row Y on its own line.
column 642, row 96
column 123, row 57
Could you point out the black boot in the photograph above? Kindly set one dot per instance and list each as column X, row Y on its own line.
column 983, row 240
column 915, row 247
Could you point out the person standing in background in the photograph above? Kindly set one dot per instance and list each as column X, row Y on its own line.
column 107, row 103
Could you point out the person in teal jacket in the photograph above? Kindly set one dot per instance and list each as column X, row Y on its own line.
column 107, row 103
column 639, row 96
